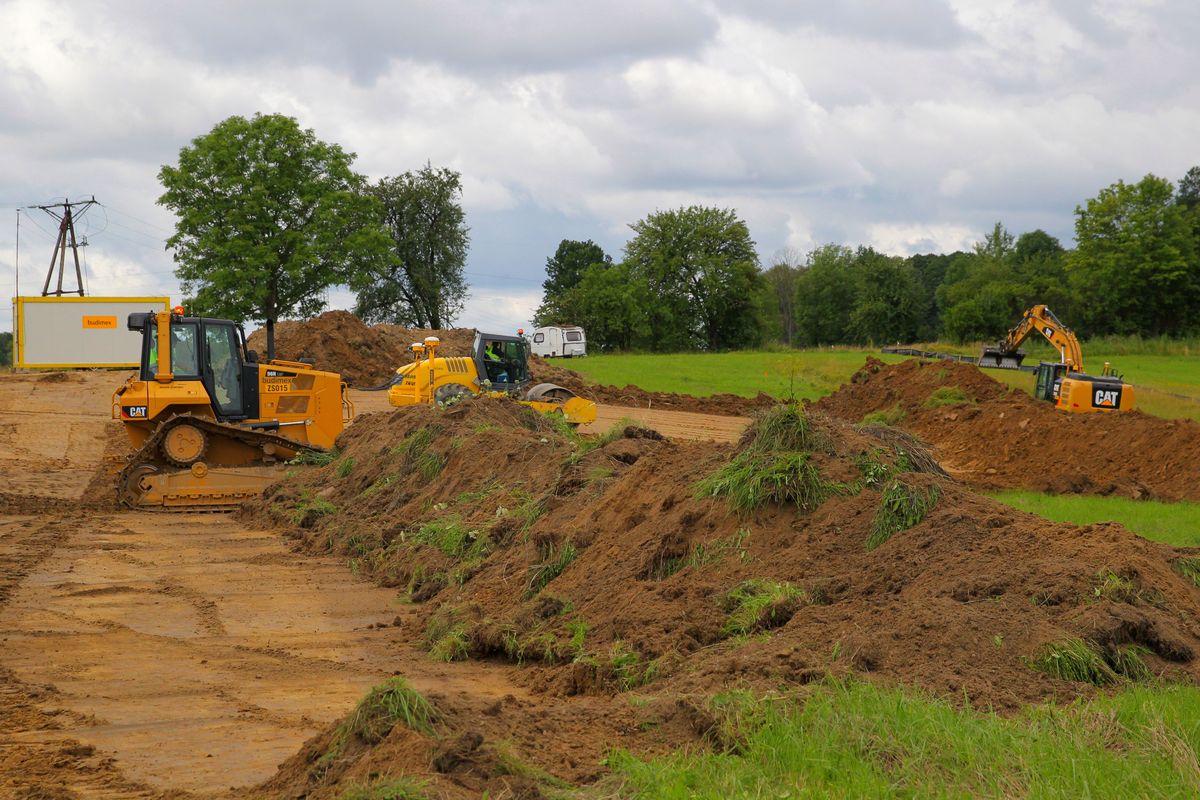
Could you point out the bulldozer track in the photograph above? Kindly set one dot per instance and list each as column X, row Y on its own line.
column 138, row 459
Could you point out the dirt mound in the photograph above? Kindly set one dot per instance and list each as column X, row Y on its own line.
column 811, row 548
column 365, row 356
column 730, row 405
column 997, row 438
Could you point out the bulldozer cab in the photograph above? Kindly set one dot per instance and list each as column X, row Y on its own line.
column 212, row 351
column 502, row 361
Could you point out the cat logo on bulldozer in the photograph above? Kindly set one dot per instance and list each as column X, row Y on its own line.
column 1107, row 398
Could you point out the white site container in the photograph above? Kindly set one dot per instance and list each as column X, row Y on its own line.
column 77, row 332
column 558, row 341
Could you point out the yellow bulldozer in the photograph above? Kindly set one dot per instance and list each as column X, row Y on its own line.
column 498, row 366
column 212, row 426
column 1063, row 382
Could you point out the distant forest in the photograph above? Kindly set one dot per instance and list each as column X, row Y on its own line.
column 690, row 280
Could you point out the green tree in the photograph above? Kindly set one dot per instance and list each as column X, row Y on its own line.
column 565, row 268
column 421, row 284
column 889, row 302
column 6, row 349
column 825, row 296
column 611, row 306
column 778, row 303
column 268, row 217
column 701, row 271
column 564, row 271
column 1134, row 267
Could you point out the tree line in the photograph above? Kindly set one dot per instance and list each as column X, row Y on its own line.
column 690, row 279
column 268, row 217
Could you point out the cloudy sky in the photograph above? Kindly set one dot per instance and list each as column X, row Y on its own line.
column 909, row 125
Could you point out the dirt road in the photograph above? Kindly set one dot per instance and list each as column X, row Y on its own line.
column 195, row 652
column 165, row 655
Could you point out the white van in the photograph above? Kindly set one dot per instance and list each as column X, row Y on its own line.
column 554, row 342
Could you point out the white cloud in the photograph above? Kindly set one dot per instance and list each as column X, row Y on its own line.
column 910, row 127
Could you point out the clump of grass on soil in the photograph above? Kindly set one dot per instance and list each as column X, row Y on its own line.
column 344, row 467
column 417, row 451
column 388, row 704
column 774, row 466
column 885, row 416
column 857, row 739
column 947, row 396
column 387, row 788
column 1112, row 586
column 555, row 559
column 446, row 636
column 1083, row 662
column 901, row 507
column 758, row 604
column 1188, row 568
column 316, row 458
column 450, row 535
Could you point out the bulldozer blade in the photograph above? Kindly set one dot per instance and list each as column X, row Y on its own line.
column 207, row 489
column 997, row 358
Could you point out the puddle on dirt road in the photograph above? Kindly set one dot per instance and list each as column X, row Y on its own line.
column 204, row 654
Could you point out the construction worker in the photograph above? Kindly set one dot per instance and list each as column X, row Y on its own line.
column 495, row 367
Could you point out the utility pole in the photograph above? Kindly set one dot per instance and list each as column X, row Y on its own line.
column 66, row 238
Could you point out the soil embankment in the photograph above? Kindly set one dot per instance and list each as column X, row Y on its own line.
column 602, row 571
column 996, row 438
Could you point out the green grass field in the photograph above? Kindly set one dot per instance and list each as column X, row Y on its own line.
column 852, row 740
column 1168, row 385
column 1173, row 523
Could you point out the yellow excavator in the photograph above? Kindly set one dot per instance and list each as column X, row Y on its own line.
column 498, row 366
column 1063, row 382
column 212, row 426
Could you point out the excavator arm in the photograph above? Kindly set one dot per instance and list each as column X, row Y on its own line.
column 1008, row 355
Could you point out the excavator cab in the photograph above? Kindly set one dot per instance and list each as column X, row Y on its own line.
column 1049, row 380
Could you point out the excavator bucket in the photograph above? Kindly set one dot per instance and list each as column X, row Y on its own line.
column 1000, row 358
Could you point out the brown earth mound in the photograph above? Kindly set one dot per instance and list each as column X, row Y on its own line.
column 605, row 570
column 367, row 356
column 997, row 438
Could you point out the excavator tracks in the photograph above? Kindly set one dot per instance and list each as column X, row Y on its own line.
column 150, row 481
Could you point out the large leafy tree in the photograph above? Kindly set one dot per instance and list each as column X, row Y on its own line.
column 890, row 303
column 6, row 349
column 611, row 306
column 825, row 296
column 701, row 272
column 421, row 284
column 564, row 272
column 268, row 217
column 1134, row 267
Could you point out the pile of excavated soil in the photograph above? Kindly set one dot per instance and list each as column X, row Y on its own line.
column 337, row 341
column 608, row 571
column 1002, row 438
column 367, row 356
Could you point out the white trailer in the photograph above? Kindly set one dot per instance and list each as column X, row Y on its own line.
column 565, row 341
column 78, row 332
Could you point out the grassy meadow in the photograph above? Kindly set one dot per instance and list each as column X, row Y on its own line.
column 1167, row 383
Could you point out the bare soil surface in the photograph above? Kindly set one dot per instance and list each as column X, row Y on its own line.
column 997, row 438
column 585, row 594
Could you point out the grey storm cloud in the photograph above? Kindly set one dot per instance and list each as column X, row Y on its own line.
column 365, row 36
